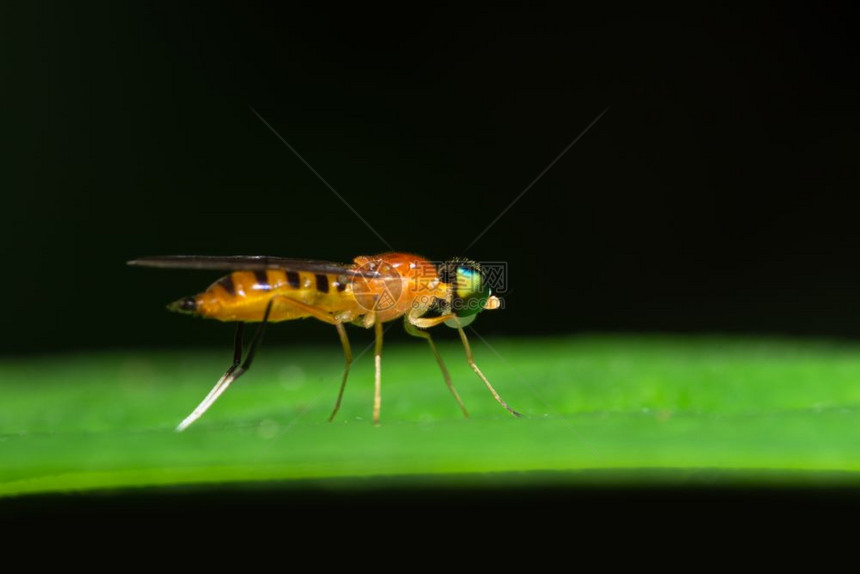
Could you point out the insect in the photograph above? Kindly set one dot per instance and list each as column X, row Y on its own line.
column 369, row 292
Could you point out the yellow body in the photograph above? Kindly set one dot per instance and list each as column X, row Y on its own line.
column 243, row 295
column 399, row 284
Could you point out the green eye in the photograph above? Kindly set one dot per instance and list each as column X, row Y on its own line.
column 470, row 292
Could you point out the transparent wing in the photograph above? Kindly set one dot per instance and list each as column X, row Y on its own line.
column 250, row 263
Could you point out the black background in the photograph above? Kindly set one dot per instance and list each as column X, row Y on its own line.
column 717, row 194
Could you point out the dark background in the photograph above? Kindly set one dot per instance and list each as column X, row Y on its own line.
column 717, row 194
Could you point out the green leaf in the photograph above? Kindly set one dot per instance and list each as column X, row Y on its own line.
column 628, row 410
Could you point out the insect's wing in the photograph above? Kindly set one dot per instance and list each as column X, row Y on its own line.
column 250, row 263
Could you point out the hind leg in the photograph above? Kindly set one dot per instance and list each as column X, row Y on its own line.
column 234, row 372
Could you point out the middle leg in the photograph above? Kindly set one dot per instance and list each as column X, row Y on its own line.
column 377, row 387
column 327, row 317
column 416, row 332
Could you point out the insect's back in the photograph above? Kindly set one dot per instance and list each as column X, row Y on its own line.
column 243, row 295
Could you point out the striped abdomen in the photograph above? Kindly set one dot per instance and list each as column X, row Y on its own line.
column 243, row 295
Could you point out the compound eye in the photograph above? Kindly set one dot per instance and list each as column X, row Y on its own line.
column 470, row 292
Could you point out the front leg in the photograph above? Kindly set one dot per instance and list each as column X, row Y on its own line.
column 471, row 360
column 412, row 328
column 423, row 323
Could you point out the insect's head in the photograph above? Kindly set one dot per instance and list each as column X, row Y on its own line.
column 470, row 294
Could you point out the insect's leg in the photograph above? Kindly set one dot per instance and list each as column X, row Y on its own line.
column 422, row 323
column 478, row 372
column 237, row 360
column 347, row 351
column 234, row 372
column 327, row 317
column 416, row 332
column 222, row 383
column 377, row 388
column 315, row 312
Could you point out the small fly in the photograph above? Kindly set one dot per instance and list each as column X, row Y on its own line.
column 369, row 292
